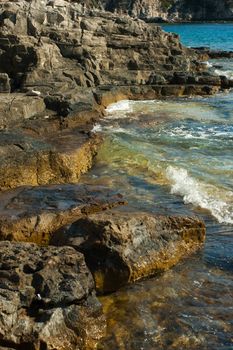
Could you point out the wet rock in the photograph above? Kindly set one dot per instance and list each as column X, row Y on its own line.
column 33, row 214
column 210, row 80
column 121, row 248
column 62, row 62
column 47, row 299
column 227, row 83
column 30, row 159
column 214, row 54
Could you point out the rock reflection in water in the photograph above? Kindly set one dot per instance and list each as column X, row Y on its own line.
column 185, row 308
column 191, row 306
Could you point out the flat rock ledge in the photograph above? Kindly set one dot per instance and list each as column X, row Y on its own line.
column 33, row 214
column 47, row 299
column 121, row 248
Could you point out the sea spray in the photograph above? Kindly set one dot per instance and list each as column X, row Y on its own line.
column 199, row 194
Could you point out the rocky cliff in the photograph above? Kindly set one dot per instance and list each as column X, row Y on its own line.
column 174, row 10
column 61, row 62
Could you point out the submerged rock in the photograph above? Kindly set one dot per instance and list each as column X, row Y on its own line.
column 32, row 214
column 47, row 299
column 121, row 248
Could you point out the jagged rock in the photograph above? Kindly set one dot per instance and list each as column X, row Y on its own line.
column 173, row 10
column 213, row 53
column 121, row 248
column 62, row 62
column 47, row 299
column 33, row 214
column 97, row 48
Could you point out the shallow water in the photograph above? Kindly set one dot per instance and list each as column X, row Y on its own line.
column 183, row 144
column 174, row 157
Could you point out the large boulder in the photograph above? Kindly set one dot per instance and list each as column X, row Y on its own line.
column 47, row 299
column 121, row 248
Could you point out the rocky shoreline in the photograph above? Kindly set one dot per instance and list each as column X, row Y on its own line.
column 61, row 65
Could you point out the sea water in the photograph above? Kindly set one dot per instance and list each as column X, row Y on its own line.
column 176, row 157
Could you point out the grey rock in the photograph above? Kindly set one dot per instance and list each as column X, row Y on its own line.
column 47, row 299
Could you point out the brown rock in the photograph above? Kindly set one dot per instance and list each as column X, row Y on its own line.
column 28, row 159
column 47, row 299
column 121, row 248
column 19, row 107
column 32, row 214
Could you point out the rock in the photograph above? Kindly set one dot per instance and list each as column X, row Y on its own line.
column 18, row 107
column 47, row 299
column 214, row 54
column 61, row 63
column 4, row 83
column 121, row 248
column 33, row 214
column 29, row 159
column 210, row 80
column 99, row 49
column 173, row 10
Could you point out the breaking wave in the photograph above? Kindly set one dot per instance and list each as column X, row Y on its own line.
column 119, row 109
column 96, row 128
column 200, row 194
column 227, row 73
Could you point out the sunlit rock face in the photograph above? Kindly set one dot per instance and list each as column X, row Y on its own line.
column 121, row 248
column 96, row 47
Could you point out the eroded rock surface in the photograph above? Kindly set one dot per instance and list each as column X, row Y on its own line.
column 33, row 214
column 61, row 63
column 95, row 49
column 30, row 159
column 121, row 248
column 173, row 10
column 47, row 299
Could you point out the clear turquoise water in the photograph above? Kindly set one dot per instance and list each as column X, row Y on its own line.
column 215, row 36
column 175, row 157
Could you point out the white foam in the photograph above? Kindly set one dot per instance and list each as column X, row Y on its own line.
column 199, row 132
column 200, row 194
column 96, row 128
column 208, row 64
column 122, row 106
column 115, row 129
column 227, row 73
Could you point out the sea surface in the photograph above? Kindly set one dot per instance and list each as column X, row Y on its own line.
column 176, row 157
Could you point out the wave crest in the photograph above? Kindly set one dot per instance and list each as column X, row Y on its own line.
column 199, row 194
